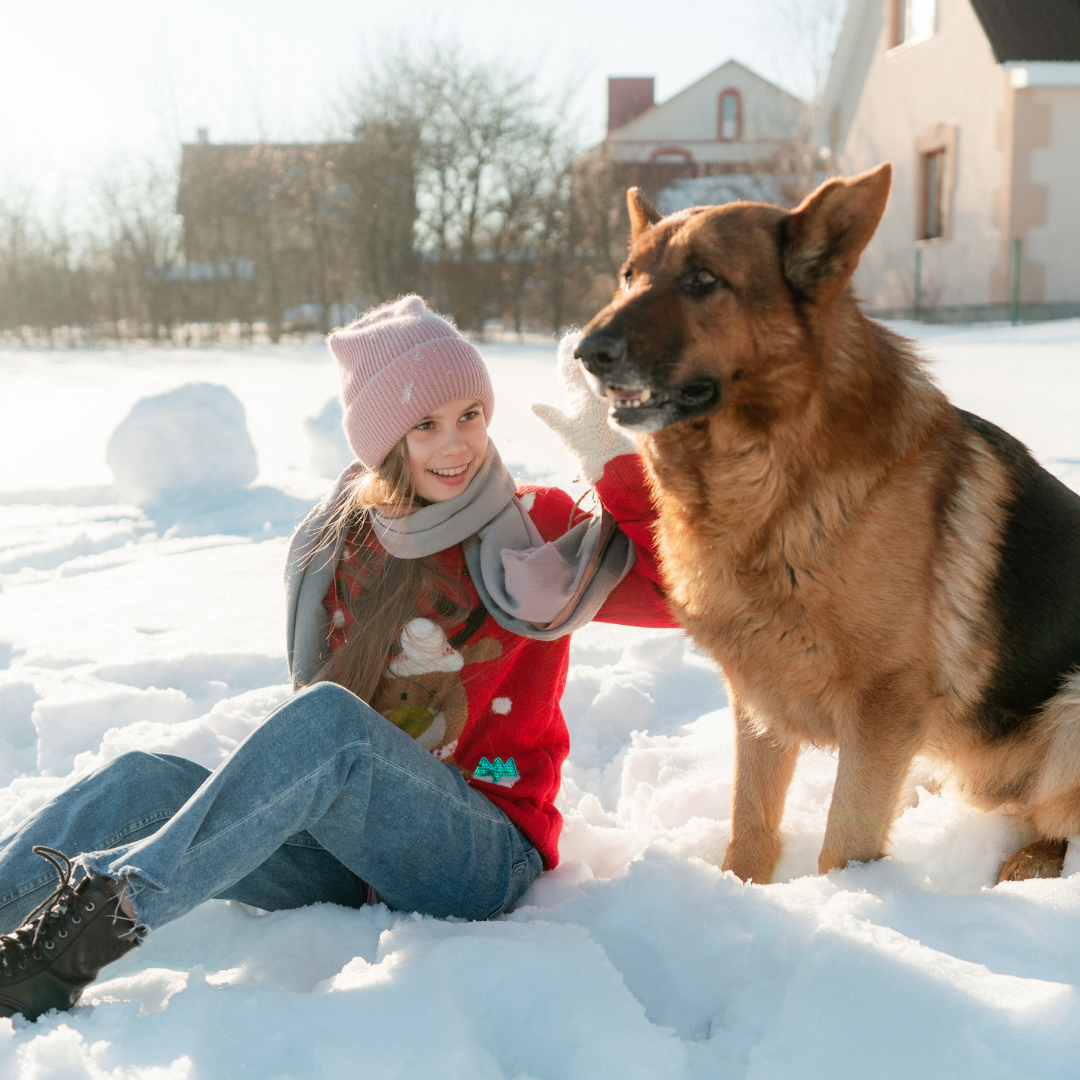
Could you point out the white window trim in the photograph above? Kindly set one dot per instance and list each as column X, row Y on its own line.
column 1025, row 73
column 910, row 42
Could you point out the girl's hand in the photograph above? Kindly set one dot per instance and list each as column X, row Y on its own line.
column 585, row 430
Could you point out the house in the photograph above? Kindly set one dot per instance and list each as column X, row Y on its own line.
column 717, row 140
column 977, row 105
column 268, row 229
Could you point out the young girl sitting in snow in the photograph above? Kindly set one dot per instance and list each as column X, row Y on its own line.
column 431, row 586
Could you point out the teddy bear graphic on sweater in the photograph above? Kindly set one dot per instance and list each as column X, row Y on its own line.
column 422, row 692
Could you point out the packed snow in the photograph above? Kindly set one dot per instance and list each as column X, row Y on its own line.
column 141, row 607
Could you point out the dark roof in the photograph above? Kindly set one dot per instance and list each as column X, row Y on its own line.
column 1031, row 29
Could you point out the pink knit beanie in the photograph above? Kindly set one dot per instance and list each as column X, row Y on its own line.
column 397, row 363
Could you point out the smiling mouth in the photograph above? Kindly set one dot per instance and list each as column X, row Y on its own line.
column 457, row 470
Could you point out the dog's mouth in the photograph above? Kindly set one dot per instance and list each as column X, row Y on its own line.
column 642, row 407
column 621, row 398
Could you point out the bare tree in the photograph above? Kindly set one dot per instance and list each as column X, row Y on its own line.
column 813, row 27
column 45, row 279
column 488, row 164
column 140, row 242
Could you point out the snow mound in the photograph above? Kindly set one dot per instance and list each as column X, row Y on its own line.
column 330, row 450
column 189, row 441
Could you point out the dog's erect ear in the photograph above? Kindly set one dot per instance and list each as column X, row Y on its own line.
column 826, row 233
column 642, row 213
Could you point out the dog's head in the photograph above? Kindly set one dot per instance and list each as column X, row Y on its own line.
column 722, row 305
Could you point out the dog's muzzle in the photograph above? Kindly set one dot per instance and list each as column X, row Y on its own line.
column 637, row 400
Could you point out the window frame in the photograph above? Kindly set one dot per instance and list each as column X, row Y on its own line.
column 940, row 141
column 665, row 155
column 932, row 195
column 899, row 16
column 729, row 93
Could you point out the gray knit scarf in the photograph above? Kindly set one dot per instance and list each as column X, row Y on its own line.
column 534, row 588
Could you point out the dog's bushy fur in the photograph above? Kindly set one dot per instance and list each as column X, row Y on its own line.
column 873, row 569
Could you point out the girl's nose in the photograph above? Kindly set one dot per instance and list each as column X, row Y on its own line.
column 452, row 443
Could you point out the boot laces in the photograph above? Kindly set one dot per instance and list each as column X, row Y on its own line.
column 48, row 917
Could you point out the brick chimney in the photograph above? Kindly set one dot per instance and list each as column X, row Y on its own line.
column 627, row 98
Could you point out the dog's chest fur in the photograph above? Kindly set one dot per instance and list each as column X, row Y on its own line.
column 816, row 594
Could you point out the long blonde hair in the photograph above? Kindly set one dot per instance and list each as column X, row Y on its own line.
column 392, row 590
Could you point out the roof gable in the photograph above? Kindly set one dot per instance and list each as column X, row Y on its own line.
column 1031, row 29
column 691, row 113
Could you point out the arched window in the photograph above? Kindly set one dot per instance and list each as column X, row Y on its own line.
column 730, row 116
column 671, row 155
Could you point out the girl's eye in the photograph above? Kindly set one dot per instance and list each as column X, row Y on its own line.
column 425, row 425
column 472, row 414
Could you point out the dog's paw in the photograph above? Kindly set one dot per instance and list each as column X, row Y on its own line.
column 750, row 867
column 1043, row 859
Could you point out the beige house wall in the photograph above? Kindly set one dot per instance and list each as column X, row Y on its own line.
column 947, row 89
column 1019, row 203
column 691, row 121
column 1053, row 245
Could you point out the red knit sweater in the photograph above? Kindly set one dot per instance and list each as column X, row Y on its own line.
column 487, row 701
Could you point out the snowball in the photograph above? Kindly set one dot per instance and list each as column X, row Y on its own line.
column 191, row 441
column 330, row 451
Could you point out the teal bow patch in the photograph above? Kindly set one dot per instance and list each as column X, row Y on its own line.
column 496, row 770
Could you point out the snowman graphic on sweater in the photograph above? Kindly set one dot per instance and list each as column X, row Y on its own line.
column 422, row 692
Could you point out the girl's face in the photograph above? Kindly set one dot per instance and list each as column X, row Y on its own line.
column 447, row 448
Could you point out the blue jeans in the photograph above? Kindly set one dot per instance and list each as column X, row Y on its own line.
column 323, row 793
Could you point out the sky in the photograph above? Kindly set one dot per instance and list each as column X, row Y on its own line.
column 85, row 87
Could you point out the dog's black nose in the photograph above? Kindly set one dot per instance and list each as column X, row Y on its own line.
column 601, row 351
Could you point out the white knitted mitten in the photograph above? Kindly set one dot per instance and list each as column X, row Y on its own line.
column 585, row 430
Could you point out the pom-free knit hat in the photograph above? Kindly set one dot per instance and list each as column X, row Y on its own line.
column 397, row 363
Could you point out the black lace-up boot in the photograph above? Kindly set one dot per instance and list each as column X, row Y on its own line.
column 63, row 944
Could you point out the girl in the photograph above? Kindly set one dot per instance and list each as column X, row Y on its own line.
column 429, row 603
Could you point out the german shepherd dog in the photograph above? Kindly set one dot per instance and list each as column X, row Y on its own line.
column 873, row 569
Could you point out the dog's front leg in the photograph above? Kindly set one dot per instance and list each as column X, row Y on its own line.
column 874, row 759
column 763, row 771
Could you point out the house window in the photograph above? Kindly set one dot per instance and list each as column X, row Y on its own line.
column 671, row 155
column 933, row 190
column 912, row 20
column 730, row 116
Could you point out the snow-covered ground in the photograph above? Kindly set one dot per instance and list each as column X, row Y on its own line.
column 159, row 626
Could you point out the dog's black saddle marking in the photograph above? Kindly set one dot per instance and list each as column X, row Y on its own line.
column 1037, row 592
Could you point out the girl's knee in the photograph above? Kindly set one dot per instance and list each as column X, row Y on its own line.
column 327, row 700
column 324, row 711
column 140, row 767
column 326, row 695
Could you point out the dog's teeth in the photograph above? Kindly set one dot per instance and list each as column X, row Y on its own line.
column 645, row 395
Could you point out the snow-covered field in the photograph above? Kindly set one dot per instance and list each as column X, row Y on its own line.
column 159, row 626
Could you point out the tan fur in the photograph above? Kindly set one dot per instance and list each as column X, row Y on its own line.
column 831, row 532
column 1044, row 858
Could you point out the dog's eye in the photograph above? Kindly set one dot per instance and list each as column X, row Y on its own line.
column 627, row 278
column 698, row 282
